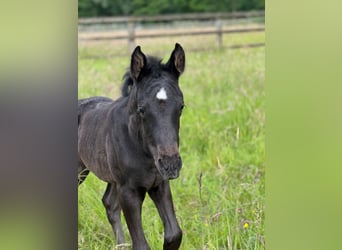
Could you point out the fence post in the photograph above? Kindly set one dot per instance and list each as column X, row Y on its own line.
column 219, row 33
column 131, row 35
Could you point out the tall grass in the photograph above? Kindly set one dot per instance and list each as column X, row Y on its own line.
column 219, row 197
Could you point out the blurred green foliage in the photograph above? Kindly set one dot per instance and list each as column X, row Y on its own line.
column 88, row 8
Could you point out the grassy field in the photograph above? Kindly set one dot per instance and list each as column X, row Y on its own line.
column 220, row 195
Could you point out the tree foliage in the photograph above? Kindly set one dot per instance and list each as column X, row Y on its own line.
column 88, row 8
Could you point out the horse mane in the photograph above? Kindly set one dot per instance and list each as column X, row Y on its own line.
column 152, row 65
column 127, row 84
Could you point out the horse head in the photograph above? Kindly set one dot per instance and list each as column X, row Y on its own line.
column 156, row 108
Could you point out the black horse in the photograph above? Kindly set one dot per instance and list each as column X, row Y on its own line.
column 133, row 144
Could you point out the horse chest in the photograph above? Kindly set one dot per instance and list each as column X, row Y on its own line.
column 139, row 172
column 147, row 180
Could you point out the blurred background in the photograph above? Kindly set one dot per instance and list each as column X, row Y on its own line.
column 88, row 8
column 196, row 24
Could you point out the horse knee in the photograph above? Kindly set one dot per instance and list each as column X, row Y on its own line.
column 173, row 240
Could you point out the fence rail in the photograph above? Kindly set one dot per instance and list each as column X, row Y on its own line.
column 171, row 17
column 132, row 21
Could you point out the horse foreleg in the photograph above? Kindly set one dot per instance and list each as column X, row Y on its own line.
column 131, row 202
column 113, row 209
column 163, row 200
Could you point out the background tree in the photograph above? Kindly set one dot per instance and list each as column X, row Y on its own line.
column 88, row 8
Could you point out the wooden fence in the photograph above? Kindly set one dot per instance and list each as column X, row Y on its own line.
column 131, row 23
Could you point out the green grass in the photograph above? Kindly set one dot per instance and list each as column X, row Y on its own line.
column 220, row 195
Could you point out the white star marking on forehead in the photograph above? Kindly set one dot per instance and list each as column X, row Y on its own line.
column 161, row 95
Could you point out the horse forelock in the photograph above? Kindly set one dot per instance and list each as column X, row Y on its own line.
column 152, row 68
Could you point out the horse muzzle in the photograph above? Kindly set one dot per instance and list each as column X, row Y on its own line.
column 169, row 166
column 167, row 160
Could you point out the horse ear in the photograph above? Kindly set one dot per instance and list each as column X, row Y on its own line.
column 177, row 60
column 138, row 61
